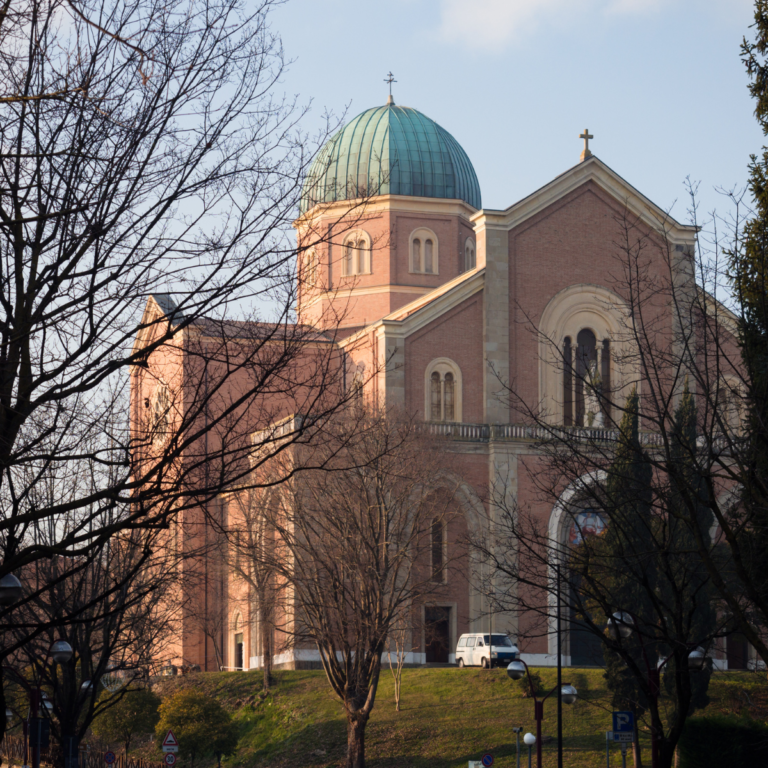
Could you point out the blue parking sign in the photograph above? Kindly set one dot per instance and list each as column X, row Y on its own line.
column 623, row 722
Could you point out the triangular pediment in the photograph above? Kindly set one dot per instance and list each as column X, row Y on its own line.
column 591, row 170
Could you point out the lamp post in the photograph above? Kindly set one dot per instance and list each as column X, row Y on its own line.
column 567, row 693
column 620, row 627
column 517, row 731
column 60, row 652
column 530, row 740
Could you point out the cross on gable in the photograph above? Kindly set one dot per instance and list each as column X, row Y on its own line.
column 586, row 136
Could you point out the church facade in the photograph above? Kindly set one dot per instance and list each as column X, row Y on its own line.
column 439, row 306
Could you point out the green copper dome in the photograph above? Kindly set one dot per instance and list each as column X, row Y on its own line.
column 391, row 150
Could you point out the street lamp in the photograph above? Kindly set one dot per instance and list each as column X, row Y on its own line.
column 568, row 694
column 620, row 626
column 530, row 740
column 10, row 589
column 61, row 652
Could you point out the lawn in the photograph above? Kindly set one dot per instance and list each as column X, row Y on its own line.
column 448, row 717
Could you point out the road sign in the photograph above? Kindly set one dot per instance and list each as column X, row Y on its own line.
column 110, row 757
column 487, row 760
column 170, row 743
column 623, row 722
column 623, row 738
column 169, row 759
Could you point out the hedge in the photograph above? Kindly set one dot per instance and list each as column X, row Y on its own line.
column 723, row 742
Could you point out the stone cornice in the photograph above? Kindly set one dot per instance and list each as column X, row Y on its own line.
column 382, row 203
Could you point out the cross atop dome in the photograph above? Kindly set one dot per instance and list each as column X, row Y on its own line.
column 390, row 78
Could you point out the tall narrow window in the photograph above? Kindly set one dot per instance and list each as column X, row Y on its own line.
column 605, row 375
column 416, row 258
column 567, row 383
column 438, row 554
column 310, row 267
column 436, row 397
column 161, row 413
column 428, row 257
column 470, row 260
column 586, row 354
column 448, row 386
column 349, row 259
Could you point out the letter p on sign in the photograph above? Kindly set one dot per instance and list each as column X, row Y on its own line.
column 623, row 722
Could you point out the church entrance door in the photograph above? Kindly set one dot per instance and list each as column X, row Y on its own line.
column 737, row 651
column 437, row 634
column 586, row 648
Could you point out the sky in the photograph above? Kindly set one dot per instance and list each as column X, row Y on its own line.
column 659, row 83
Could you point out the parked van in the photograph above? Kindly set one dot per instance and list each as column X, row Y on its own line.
column 476, row 650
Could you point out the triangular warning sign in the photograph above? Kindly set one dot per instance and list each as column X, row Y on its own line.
column 170, row 740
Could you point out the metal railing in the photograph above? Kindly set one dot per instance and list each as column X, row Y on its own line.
column 12, row 750
column 484, row 433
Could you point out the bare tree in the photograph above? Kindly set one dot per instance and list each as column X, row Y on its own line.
column 354, row 551
column 637, row 514
column 139, row 208
column 113, row 610
column 398, row 637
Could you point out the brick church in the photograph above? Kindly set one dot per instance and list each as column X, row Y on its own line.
column 431, row 297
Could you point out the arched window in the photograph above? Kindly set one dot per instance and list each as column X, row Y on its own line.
column 356, row 254
column 437, row 547
column 586, row 380
column 424, row 252
column 470, row 259
column 443, row 391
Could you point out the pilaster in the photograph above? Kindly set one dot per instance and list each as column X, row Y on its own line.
column 493, row 253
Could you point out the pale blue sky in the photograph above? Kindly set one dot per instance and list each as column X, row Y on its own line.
column 658, row 82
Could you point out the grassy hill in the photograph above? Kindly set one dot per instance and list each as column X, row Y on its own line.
column 449, row 716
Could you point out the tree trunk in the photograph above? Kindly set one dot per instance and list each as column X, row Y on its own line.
column 266, row 644
column 356, row 740
column 637, row 754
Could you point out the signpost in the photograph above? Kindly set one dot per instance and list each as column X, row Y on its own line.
column 623, row 732
column 170, row 743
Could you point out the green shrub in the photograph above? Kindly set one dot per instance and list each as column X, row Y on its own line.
column 524, row 686
column 135, row 713
column 723, row 742
column 202, row 727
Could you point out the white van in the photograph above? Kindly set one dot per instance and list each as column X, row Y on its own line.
column 476, row 650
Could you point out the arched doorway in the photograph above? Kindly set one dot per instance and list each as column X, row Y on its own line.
column 585, row 648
